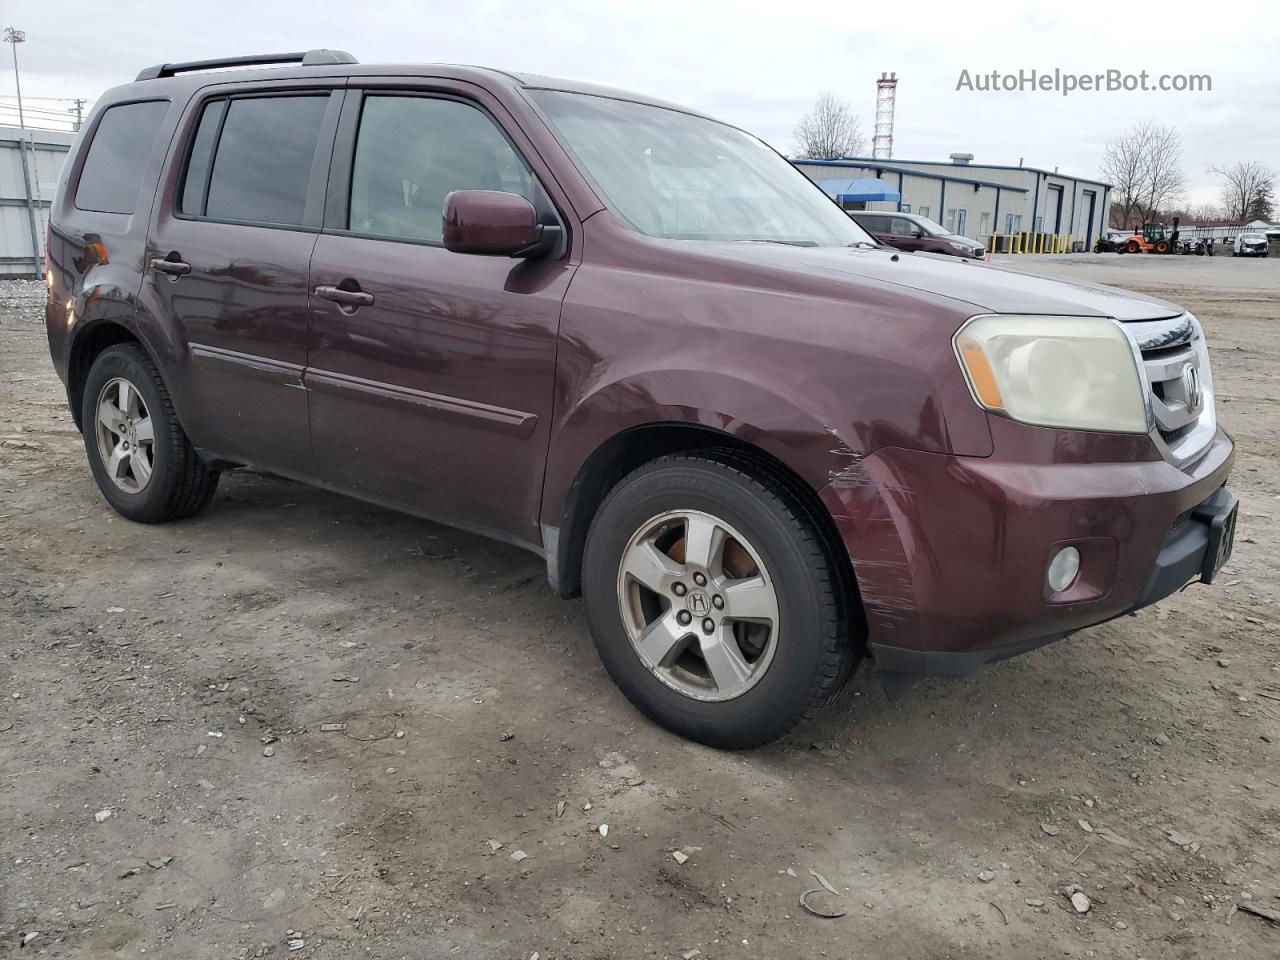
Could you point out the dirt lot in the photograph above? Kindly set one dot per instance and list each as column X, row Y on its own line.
column 143, row 667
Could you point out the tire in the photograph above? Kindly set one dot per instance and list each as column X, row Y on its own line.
column 1132, row 247
column 149, row 480
column 792, row 657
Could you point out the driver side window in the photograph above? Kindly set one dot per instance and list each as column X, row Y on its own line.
column 411, row 152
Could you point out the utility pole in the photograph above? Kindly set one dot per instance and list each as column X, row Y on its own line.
column 78, row 110
column 15, row 36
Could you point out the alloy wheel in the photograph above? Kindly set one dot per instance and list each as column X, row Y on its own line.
column 698, row 605
column 126, row 438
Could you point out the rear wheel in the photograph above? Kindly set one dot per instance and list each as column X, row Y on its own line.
column 1162, row 246
column 140, row 456
column 713, row 601
column 1133, row 247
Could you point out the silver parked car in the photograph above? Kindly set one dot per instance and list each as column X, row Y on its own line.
column 1250, row 245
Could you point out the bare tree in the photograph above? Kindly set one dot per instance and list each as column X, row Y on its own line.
column 1196, row 213
column 1248, row 191
column 829, row 131
column 1144, row 166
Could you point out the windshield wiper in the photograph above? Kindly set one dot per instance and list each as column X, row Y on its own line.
column 866, row 243
column 785, row 243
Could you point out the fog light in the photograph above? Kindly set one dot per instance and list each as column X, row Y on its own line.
column 1063, row 569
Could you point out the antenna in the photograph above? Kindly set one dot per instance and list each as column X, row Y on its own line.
column 886, row 96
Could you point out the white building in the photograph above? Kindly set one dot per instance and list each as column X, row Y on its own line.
column 977, row 200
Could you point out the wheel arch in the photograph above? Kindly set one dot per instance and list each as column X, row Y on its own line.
column 619, row 454
column 89, row 342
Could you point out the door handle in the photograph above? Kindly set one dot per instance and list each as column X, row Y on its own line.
column 344, row 297
column 175, row 267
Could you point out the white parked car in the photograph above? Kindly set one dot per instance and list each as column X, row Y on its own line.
column 1250, row 245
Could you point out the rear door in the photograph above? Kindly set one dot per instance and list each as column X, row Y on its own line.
column 877, row 226
column 435, row 392
column 229, row 250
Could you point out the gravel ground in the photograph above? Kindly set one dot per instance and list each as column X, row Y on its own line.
column 302, row 726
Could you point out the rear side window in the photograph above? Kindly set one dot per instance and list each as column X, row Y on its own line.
column 255, row 156
column 118, row 155
column 876, row 224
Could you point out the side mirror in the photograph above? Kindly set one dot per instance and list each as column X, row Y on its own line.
column 496, row 224
column 918, row 232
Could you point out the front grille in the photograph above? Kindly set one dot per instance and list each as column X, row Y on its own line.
column 1175, row 368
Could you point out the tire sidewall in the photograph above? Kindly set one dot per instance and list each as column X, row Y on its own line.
column 121, row 362
column 782, row 693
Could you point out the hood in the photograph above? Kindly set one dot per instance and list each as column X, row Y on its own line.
column 985, row 287
column 957, row 238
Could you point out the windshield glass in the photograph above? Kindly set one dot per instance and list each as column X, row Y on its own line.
column 688, row 178
column 1252, row 237
column 930, row 228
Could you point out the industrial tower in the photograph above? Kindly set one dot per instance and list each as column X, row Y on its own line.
column 886, row 94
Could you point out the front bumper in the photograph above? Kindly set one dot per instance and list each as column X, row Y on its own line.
column 950, row 552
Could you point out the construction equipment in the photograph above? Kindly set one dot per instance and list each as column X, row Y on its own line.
column 1153, row 238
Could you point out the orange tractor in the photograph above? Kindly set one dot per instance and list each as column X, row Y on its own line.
column 1153, row 238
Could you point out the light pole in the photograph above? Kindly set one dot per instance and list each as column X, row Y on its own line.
column 15, row 36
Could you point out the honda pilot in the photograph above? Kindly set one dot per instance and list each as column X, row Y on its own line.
column 639, row 343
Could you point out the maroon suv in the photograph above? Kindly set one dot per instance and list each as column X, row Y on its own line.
column 912, row 232
column 639, row 343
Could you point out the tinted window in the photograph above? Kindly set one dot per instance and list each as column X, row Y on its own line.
column 118, row 156
column 874, row 224
column 413, row 151
column 196, row 177
column 262, row 166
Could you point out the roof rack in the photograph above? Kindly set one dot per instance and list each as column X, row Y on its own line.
column 309, row 58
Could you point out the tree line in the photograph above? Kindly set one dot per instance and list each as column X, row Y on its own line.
column 1145, row 169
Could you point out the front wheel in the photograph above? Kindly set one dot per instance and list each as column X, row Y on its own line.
column 140, row 456
column 714, row 602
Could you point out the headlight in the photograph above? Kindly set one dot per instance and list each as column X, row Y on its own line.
column 1073, row 372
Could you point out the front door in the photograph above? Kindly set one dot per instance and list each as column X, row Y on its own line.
column 229, row 251
column 432, row 388
column 907, row 234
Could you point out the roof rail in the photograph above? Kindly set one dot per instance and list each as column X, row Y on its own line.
column 309, row 58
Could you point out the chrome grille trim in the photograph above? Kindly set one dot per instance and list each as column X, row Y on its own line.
column 1174, row 365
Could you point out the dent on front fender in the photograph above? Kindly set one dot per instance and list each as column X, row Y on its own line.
column 865, row 501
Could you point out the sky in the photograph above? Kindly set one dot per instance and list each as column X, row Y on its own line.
column 757, row 65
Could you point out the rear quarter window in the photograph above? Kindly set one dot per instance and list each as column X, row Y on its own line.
column 117, row 157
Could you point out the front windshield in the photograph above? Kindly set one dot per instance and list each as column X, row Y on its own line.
column 688, row 178
column 930, row 228
column 1252, row 238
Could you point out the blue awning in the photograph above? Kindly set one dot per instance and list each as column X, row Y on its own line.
column 860, row 190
